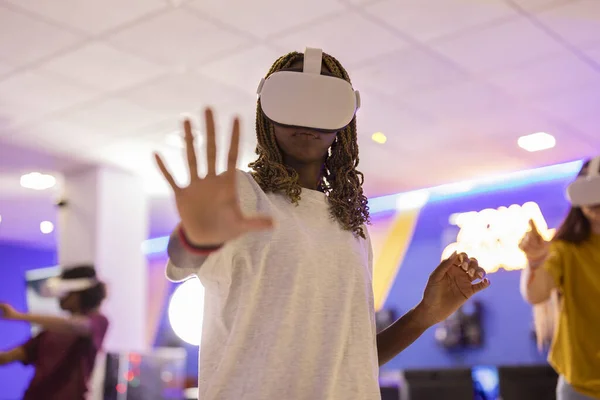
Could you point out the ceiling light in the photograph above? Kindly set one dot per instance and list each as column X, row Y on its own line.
column 379, row 137
column 537, row 142
column 37, row 181
column 46, row 227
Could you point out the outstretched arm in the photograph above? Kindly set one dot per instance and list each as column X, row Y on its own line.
column 14, row 355
column 401, row 334
column 79, row 325
column 449, row 286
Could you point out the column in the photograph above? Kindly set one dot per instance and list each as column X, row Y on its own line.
column 104, row 222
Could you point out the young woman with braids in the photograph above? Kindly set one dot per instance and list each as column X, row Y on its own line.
column 562, row 281
column 286, row 263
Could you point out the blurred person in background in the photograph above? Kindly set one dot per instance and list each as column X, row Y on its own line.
column 64, row 353
column 562, row 281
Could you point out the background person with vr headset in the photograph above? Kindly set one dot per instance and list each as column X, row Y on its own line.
column 284, row 254
column 64, row 353
column 565, row 274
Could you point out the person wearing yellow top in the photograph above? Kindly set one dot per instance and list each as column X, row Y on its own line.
column 568, row 268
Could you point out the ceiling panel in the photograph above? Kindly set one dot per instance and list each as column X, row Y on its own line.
column 505, row 124
column 426, row 20
column 577, row 21
column 405, row 129
column 398, row 73
column 594, row 53
column 537, row 5
column 546, row 77
column 92, row 17
column 24, row 39
column 362, row 39
column 178, row 39
column 264, row 18
column 174, row 94
column 497, row 47
column 570, row 104
column 108, row 118
column 100, row 66
column 64, row 136
column 243, row 69
column 458, row 100
column 589, row 127
column 5, row 68
column 31, row 94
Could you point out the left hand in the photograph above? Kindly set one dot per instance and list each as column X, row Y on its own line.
column 8, row 312
column 450, row 285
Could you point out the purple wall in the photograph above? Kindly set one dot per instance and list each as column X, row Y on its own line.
column 14, row 261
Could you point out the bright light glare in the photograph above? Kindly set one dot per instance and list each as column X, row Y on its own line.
column 46, row 227
column 186, row 311
column 412, row 200
column 37, row 181
column 537, row 142
column 379, row 137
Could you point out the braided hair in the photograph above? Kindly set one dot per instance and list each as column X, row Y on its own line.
column 339, row 180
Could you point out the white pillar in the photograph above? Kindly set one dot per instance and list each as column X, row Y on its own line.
column 104, row 222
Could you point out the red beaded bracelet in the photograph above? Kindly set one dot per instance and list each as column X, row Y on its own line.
column 200, row 250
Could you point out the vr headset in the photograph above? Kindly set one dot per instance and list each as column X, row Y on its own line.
column 58, row 287
column 585, row 190
column 308, row 99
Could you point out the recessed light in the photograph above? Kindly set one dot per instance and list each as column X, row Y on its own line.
column 379, row 137
column 537, row 142
column 37, row 181
column 46, row 227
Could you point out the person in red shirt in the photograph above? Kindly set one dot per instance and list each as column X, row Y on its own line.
column 64, row 353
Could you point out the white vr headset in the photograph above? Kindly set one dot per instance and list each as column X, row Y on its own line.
column 308, row 99
column 57, row 287
column 585, row 190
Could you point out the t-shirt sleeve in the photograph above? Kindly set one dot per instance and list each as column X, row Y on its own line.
column 99, row 326
column 183, row 264
column 31, row 349
column 555, row 263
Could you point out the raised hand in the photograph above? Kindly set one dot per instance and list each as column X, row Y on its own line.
column 451, row 284
column 208, row 207
column 533, row 245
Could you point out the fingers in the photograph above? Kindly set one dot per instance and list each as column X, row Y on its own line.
column 234, row 146
column 165, row 172
column 474, row 270
column 190, row 150
column 211, row 146
column 478, row 287
column 444, row 266
column 533, row 227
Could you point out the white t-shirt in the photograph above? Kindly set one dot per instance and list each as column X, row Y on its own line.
column 289, row 313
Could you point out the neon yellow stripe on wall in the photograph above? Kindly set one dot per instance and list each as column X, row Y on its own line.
column 387, row 263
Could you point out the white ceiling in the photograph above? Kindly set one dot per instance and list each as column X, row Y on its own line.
column 452, row 83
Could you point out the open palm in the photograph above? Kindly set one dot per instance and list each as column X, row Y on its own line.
column 208, row 207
